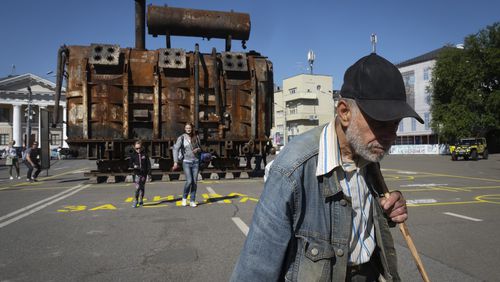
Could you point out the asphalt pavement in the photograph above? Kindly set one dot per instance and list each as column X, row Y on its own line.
column 62, row 228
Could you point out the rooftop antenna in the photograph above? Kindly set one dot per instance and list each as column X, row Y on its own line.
column 13, row 72
column 374, row 43
column 310, row 57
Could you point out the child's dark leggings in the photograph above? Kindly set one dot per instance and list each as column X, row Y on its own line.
column 140, row 183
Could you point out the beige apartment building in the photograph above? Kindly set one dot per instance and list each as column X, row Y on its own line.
column 304, row 102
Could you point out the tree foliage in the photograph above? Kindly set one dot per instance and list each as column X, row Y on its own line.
column 466, row 87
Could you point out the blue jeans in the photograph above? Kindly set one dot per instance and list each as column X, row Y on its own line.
column 191, row 172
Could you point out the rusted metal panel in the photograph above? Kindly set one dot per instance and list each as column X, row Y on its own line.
column 199, row 23
column 234, row 61
column 173, row 58
column 110, row 106
column 265, row 98
column 125, row 95
column 142, row 64
column 175, row 105
column 85, row 103
column 156, row 107
column 104, row 54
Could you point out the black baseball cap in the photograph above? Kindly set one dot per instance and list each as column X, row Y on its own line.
column 378, row 88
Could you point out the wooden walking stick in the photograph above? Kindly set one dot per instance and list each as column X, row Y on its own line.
column 402, row 227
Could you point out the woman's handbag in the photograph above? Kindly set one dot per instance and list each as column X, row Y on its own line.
column 8, row 160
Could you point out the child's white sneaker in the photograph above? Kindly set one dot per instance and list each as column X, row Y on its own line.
column 11, row 178
column 184, row 202
column 193, row 204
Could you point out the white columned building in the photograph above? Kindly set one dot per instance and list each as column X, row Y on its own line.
column 14, row 100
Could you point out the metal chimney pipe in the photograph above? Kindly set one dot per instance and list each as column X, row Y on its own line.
column 140, row 26
column 198, row 23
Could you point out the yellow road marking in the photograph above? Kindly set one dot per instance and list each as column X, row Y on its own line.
column 154, row 206
column 160, row 199
column 466, row 189
column 41, row 179
column 104, row 207
column 451, row 189
column 492, row 199
column 483, row 187
column 393, row 177
column 72, row 208
column 245, row 199
column 130, row 199
column 35, row 189
column 452, row 176
column 444, row 203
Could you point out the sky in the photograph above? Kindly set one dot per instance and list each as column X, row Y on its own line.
column 338, row 31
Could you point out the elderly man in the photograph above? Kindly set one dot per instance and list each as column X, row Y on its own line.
column 322, row 215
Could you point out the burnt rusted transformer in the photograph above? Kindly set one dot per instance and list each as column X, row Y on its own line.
column 117, row 95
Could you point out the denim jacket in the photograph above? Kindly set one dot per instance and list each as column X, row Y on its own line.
column 302, row 223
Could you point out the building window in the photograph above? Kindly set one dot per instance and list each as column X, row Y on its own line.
column 426, row 73
column 318, row 87
column 4, row 139
column 427, row 120
column 279, row 113
column 4, row 115
column 292, row 90
column 293, row 110
column 55, row 139
column 293, row 129
column 409, row 81
column 401, row 127
column 413, row 124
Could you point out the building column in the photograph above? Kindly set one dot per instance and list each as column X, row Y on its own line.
column 17, row 126
column 64, row 137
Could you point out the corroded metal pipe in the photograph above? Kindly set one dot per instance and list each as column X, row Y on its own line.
column 62, row 54
column 196, row 85
column 198, row 23
column 140, row 29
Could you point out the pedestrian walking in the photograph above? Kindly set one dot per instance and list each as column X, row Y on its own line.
column 186, row 151
column 12, row 159
column 139, row 161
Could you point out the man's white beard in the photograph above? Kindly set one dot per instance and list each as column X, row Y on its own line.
column 353, row 136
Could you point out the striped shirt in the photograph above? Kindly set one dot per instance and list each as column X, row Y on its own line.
column 352, row 181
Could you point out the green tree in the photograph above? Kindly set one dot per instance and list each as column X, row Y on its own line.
column 466, row 87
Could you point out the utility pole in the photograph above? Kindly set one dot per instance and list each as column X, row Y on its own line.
column 373, row 39
column 310, row 58
column 29, row 116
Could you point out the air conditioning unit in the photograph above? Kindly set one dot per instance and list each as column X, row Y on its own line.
column 313, row 117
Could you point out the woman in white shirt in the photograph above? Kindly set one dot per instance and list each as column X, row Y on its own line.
column 186, row 151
